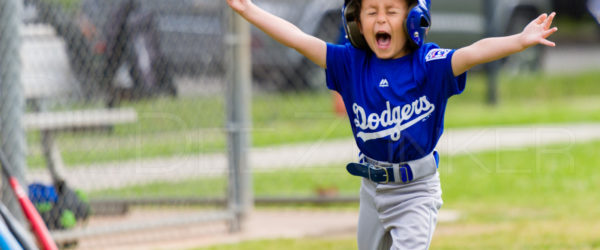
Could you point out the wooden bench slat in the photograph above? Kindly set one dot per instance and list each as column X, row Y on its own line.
column 66, row 120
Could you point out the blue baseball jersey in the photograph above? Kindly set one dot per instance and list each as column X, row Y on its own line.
column 396, row 107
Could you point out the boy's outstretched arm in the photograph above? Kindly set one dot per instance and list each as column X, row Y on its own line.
column 282, row 31
column 491, row 49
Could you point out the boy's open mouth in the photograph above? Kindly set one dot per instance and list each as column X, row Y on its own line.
column 384, row 39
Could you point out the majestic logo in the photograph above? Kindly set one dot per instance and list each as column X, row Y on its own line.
column 394, row 120
column 436, row 54
column 384, row 83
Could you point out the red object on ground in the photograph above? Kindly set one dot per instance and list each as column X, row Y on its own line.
column 338, row 104
column 37, row 224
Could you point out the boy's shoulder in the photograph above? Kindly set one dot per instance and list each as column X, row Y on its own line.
column 345, row 53
column 429, row 59
column 431, row 52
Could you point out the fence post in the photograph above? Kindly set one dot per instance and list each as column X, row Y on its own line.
column 491, row 68
column 239, row 77
column 12, row 100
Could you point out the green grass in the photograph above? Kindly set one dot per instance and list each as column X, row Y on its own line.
column 528, row 99
column 184, row 126
column 531, row 198
column 530, row 176
column 295, row 182
column 535, row 198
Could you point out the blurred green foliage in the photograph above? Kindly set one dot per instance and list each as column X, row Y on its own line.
column 68, row 5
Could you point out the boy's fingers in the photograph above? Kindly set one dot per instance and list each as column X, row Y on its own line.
column 549, row 32
column 548, row 43
column 541, row 18
column 548, row 21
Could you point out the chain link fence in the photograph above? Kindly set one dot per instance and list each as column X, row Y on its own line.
column 125, row 112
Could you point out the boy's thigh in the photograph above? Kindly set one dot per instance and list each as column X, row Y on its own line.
column 410, row 214
column 411, row 229
column 414, row 227
column 371, row 231
column 405, row 217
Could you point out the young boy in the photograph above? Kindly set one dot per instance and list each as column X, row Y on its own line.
column 395, row 89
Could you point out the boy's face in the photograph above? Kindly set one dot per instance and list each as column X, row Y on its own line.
column 382, row 25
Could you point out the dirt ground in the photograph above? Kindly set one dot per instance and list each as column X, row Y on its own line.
column 260, row 224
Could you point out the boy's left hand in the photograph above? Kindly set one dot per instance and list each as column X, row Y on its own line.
column 538, row 30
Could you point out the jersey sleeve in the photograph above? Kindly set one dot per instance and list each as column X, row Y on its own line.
column 438, row 67
column 337, row 72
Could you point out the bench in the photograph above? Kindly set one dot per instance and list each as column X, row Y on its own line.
column 78, row 119
column 50, row 123
column 46, row 76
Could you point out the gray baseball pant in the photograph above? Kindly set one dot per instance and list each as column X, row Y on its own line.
column 398, row 216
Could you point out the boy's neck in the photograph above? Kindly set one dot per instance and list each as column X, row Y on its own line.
column 405, row 52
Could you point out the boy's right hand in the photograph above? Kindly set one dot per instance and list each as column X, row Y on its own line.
column 239, row 6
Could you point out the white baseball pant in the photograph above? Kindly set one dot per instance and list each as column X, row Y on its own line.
column 398, row 216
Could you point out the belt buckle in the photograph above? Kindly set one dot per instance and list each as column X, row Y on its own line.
column 387, row 174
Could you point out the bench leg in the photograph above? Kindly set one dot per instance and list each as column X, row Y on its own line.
column 54, row 160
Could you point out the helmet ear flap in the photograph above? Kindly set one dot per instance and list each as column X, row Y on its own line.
column 350, row 13
column 418, row 22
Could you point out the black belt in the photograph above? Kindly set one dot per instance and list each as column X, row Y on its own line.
column 385, row 172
